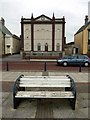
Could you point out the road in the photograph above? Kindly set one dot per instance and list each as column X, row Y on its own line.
column 38, row 65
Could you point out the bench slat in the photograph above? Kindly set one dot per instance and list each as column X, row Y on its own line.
column 43, row 79
column 44, row 85
column 44, row 82
column 44, row 94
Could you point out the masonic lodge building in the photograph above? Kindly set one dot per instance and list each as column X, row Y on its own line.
column 43, row 34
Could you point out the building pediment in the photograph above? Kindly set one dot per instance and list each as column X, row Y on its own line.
column 42, row 18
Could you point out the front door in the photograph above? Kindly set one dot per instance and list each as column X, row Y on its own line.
column 46, row 47
column 8, row 49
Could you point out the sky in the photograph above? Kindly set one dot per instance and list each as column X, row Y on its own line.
column 74, row 12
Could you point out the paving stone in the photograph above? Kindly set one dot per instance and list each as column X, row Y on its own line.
column 44, row 109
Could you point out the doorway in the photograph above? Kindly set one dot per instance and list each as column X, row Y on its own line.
column 46, row 47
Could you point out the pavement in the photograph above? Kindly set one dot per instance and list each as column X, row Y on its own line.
column 44, row 108
column 17, row 57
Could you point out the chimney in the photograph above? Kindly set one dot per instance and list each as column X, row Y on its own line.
column 2, row 21
column 32, row 16
column 53, row 16
column 86, row 19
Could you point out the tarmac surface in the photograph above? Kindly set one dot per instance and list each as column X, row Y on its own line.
column 44, row 108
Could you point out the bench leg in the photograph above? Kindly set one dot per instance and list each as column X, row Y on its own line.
column 72, row 103
column 16, row 102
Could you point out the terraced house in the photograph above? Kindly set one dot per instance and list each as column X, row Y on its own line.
column 9, row 43
column 43, row 35
column 82, row 38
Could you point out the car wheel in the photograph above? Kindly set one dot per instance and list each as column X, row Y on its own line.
column 65, row 63
column 86, row 64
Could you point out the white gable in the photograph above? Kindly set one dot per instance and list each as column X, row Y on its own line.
column 43, row 18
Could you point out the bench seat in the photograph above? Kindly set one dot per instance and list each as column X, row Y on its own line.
column 44, row 94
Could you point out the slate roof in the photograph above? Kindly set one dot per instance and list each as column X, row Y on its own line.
column 82, row 28
column 5, row 30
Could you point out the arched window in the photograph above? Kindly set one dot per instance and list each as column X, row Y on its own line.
column 46, row 47
column 38, row 47
column 27, row 34
column 58, row 47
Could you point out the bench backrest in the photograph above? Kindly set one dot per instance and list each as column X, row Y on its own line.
column 45, row 82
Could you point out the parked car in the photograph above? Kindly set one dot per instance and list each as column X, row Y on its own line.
column 74, row 60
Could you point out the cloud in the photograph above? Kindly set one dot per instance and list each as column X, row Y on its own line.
column 73, row 10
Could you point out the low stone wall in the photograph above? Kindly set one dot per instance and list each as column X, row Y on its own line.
column 41, row 55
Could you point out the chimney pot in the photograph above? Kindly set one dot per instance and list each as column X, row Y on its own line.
column 86, row 19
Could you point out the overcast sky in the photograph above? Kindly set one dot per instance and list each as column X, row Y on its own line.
column 73, row 10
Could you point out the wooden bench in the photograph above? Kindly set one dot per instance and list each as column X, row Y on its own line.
column 23, row 82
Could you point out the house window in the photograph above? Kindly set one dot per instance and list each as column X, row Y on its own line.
column 89, row 37
column 88, row 40
column 39, row 47
column 77, row 51
column 58, row 47
column 46, row 47
column 8, row 46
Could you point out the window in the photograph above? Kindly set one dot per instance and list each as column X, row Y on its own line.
column 27, row 34
column 89, row 37
column 8, row 46
column 46, row 47
column 76, row 50
column 39, row 47
column 58, row 47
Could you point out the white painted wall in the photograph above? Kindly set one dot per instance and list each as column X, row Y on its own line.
column 8, row 42
column 43, row 35
column 13, row 43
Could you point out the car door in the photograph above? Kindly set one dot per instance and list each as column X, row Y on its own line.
column 80, row 60
column 72, row 60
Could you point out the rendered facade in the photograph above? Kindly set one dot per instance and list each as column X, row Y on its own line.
column 9, row 43
column 12, row 44
column 89, row 10
column 82, row 38
column 43, row 34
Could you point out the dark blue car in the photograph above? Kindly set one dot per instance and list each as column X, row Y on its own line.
column 74, row 60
